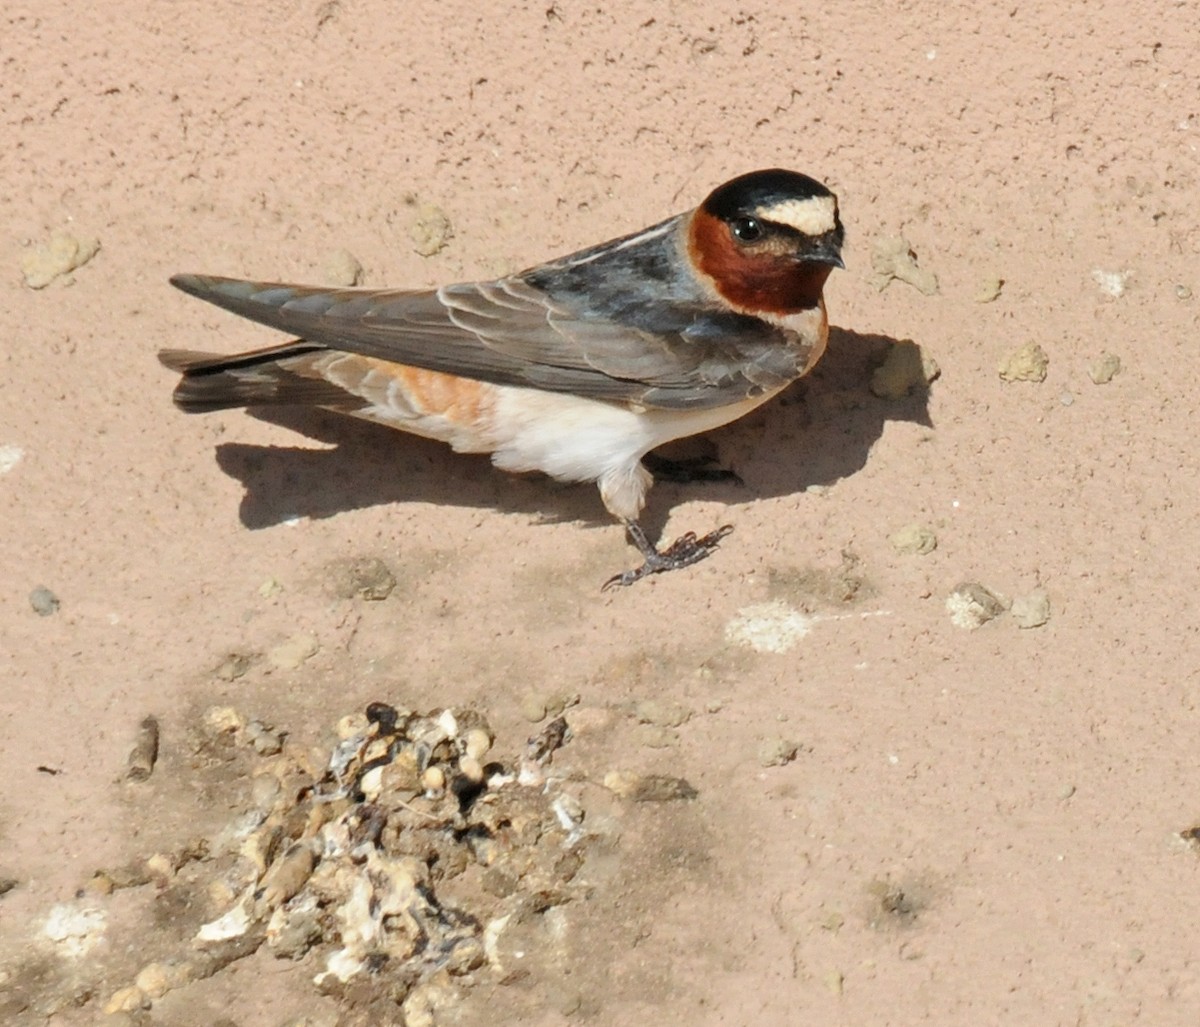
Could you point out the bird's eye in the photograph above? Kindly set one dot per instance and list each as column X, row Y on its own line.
column 746, row 229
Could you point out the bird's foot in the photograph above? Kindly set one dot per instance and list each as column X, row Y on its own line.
column 683, row 552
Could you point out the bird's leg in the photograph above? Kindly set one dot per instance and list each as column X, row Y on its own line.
column 683, row 552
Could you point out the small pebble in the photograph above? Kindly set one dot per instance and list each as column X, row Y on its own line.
column 371, row 783
column 776, row 752
column 288, row 874
column 293, row 653
column 433, row 779
column 430, row 230
column 144, row 754
column 537, row 705
column 648, row 787
column 352, row 725
column 913, row 540
column 233, row 667
column 342, row 268
column 533, row 708
column 401, row 774
column 364, row 578
column 476, row 743
column 989, row 290
column 471, row 769
column 161, row 866
column 43, row 601
column 971, row 605
column 265, row 740
column 221, row 893
column 569, row 810
column 1183, row 292
column 1104, row 368
column 60, row 256
column 1031, row 611
column 429, row 1003
column 156, row 979
column 301, row 931
column 99, row 884
column 905, row 369
column 834, row 981
column 540, row 748
column 129, row 875
column 893, row 259
column 590, row 720
column 447, row 723
column 662, row 712
column 560, row 701
column 127, row 1000
column 223, row 720
column 1027, row 364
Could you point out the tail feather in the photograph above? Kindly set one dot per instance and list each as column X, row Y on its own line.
column 183, row 360
column 268, row 377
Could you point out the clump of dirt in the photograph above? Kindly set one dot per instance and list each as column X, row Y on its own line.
column 898, row 903
column 397, row 865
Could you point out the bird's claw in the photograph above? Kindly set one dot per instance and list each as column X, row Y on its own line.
column 683, row 552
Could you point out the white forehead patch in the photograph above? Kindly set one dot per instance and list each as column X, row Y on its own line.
column 815, row 215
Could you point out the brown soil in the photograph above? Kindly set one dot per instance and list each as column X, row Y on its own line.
column 977, row 826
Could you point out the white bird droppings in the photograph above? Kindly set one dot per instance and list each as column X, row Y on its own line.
column 772, row 627
column 10, row 456
column 75, row 930
column 1111, row 282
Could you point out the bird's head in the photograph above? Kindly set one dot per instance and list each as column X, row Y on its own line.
column 767, row 241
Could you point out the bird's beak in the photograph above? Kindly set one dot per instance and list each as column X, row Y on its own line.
column 827, row 249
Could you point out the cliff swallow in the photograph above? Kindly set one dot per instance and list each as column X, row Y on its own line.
column 576, row 368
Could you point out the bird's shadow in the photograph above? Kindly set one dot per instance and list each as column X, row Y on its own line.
column 818, row 431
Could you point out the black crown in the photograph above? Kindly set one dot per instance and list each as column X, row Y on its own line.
column 761, row 189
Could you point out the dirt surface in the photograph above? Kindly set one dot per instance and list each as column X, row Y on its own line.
column 903, row 811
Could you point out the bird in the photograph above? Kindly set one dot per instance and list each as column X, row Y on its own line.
column 577, row 367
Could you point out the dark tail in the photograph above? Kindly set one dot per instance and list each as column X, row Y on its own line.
column 266, row 377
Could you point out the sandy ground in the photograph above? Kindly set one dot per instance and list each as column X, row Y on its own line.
column 976, row 827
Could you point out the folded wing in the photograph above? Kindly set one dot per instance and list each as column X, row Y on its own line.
column 681, row 353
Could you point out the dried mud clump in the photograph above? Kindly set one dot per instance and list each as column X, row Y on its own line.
column 394, row 868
